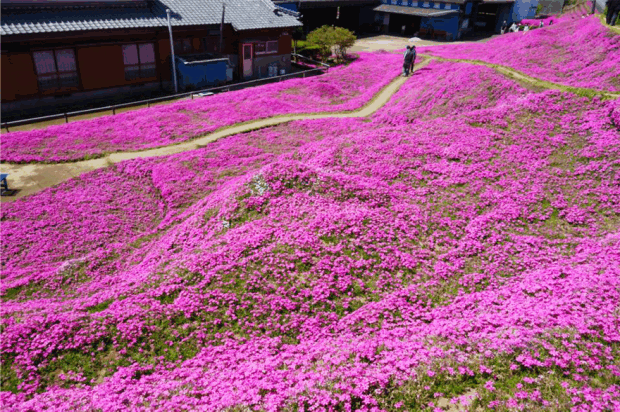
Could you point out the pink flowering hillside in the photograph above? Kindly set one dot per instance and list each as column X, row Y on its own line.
column 342, row 89
column 442, row 89
column 573, row 52
column 462, row 249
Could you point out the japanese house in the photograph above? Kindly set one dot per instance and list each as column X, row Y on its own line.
column 81, row 52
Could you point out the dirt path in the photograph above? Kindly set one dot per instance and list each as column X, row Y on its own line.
column 34, row 177
column 517, row 75
column 394, row 43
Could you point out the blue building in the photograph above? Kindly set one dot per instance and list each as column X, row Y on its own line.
column 451, row 19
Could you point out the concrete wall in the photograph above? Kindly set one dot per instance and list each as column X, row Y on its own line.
column 31, row 107
column 262, row 63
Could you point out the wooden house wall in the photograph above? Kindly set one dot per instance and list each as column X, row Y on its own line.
column 101, row 66
column 18, row 66
column 99, row 55
column 264, row 35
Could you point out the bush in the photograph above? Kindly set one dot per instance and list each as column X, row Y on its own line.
column 344, row 39
column 326, row 37
column 323, row 39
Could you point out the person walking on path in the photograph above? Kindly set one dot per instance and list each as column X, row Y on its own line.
column 415, row 54
column 409, row 58
column 504, row 27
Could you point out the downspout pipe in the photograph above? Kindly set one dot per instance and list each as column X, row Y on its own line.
column 222, row 28
column 174, row 68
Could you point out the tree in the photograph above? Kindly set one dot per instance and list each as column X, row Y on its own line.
column 326, row 37
column 322, row 38
column 343, row 39
column 298, row 34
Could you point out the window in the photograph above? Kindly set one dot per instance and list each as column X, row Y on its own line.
column 261, row 48
column 267, row 48
column 139, row 61
column 247, row 52
column 56, row 69
column 183, row 46
column 272, row 47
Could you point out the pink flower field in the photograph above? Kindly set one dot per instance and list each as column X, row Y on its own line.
column 460, row 247
column 457, row 250
column 341, row 89
column 573, row 52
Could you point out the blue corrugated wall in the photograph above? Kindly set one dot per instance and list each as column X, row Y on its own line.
column 524, row 9
column 449, row 24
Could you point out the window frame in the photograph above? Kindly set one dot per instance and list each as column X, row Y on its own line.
column 144, row 73
column 265, row 44
column 57, row 74
column 183, row 42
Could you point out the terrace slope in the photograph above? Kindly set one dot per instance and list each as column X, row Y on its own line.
column 578, row 55
column 471, row 243
column 35, row 177
column 574, row 52
column 344, row 88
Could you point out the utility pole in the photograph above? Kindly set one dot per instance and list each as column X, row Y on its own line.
column 222, row 28
column 174, row 69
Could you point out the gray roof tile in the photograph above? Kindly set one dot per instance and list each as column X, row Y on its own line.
column 241, row 14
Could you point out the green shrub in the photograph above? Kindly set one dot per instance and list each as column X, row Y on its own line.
column 539, row 9
column 323, row 39
column 343, row 39
column 326, row 38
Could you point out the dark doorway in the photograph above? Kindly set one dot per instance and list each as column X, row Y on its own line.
column 487, row 17
column 345, row 16
column 411, row 23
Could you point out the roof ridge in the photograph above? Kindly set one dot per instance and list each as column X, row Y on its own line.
column 49, row 7
column 287, row 11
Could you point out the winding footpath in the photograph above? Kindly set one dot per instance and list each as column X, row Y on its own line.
column 31, row 178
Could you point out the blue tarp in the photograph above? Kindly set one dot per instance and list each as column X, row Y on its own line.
column 194, row 73
column 289, row 6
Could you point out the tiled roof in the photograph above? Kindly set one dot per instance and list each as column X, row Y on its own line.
column 241, row 14
column 414, row 11
column 345, row 2
column 70, row 19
